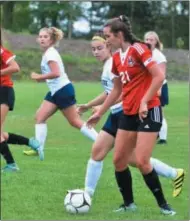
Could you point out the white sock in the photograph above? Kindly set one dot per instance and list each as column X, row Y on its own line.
column 93, row 173
column 163, row 169
column 89, row 132
column 164, row 130
column 41, row 134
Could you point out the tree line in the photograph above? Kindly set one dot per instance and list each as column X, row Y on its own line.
column 170, row 19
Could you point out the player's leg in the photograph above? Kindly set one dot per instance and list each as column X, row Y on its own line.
column 146, row 140
column 75, row 120
column 46, row 110
column 164, row 101
column 4, row 148
column 165, row 170
column 124, row 146
column 12, row 138
column 100, row 149
column 66, row 102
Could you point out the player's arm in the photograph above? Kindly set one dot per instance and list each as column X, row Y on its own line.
column 112, row 97
column 163, row 68
column 158, row 77
column 55, row 72
column 95, row 102
column 12, row 68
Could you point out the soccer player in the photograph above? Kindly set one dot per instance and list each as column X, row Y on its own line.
column 138, row 78
column 152, row 38
column 61, row 93
column 8, row 67
column 106, row 136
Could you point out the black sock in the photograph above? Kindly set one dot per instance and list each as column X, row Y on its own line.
column 17, row 139
column 4, row 149
column 124, row 182
column 153, row 182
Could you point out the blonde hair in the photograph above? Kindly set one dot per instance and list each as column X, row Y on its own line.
column 159, row 44
column 55, row 34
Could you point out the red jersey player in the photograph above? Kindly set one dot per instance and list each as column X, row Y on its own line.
column 8, row 66
column 139, row 79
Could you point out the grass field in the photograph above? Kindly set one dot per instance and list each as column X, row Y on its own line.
column 38, row 190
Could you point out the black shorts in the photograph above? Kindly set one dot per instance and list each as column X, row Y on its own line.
column 112, row 123
column 164, row 98
column 152, row 123
column 63, row 98
column 7, row 96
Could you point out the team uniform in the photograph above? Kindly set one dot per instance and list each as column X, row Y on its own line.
column 130, row 66
column 61, row 92
column 112, row 122
column 6, row 85
column 160, row 58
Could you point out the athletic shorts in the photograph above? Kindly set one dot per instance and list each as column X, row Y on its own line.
column 112, row 123
column 7, row 96
column 63, row 98
column 164, row 98
column 152, row 123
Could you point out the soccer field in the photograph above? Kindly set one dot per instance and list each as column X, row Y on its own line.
column 37, row 191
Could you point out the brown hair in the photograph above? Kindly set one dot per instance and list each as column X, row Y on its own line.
column 122, row 24
column 55, row 34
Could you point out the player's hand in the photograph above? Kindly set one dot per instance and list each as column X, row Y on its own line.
column 81, row 108
column 35, row 76
column 95, row 109
column 93, row 120
column 143, row 110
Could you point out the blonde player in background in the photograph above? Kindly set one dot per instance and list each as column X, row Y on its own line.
column 61, row 95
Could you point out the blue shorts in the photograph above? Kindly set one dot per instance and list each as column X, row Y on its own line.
column 63, row 98
column 164, row 98
column 112, row 123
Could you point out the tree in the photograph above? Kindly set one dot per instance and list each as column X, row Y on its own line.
column 7, row 16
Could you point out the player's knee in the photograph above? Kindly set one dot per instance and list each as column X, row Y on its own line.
column 97, row 153
column 5, row 135
column 143, row 164
column 74, row 123
column 119, row 162
column 39, row 118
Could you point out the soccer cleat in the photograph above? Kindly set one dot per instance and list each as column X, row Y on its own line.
column 30, row 152
column 12, row 167
column 162, row 142
column 131, row 207
column 41, row 154
column 178, row 182
column 167, row 210
column 33, row 143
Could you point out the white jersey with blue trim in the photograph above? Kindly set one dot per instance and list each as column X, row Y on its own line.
column 159, row 57
column 107, row 83
column 57, row 83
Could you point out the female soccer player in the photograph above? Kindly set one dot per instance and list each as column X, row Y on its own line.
column 106, row 136
column 138, row 78
column 152, row 38
column 61, row 95
column 7, row 99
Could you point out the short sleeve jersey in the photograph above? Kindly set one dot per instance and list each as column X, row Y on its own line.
column 107, row 83
column 131, row 67
column 57, row 83
column 6, row 57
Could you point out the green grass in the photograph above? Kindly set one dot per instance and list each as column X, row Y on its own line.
column 37, row 191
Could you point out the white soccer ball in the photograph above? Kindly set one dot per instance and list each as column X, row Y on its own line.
column 77, row 201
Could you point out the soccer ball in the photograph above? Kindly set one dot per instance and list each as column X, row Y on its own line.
column 77, row 201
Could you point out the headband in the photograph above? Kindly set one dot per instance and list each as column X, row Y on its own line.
column 98, row 38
